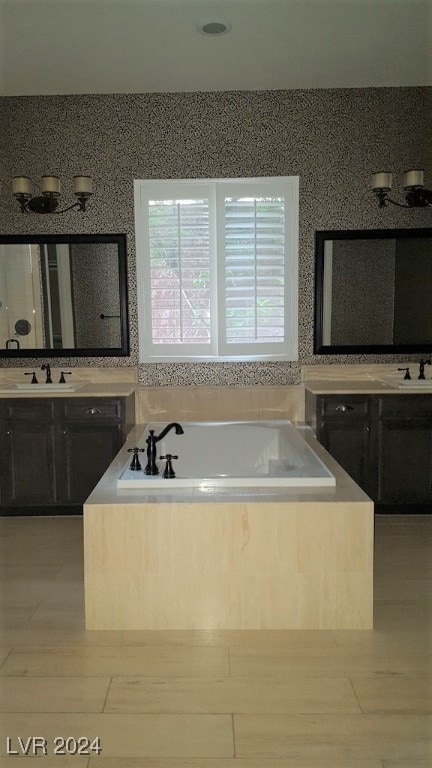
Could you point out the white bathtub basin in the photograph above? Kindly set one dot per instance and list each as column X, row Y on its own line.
column 230, row 454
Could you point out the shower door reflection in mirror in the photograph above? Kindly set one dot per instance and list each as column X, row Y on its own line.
column 63, row 295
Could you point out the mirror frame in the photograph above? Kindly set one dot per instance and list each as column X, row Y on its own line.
column 321, row 236
column 124, row 349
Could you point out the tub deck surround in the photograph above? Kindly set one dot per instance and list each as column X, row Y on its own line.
column 206, row 403
column 255, row 558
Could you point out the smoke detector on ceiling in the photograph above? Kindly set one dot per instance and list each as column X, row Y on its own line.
column 214, row 27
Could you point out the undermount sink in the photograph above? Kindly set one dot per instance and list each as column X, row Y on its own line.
column 35, row 388
column 410, row 383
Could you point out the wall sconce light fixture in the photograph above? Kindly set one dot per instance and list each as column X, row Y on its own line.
column 416, row 196
column 47, row 201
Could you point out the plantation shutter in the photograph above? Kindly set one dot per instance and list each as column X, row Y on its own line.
column 218, row 271
column 254, row 274
column 177, row 231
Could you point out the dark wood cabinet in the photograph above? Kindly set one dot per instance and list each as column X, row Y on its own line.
column 344, row 429
column 404, row 447
column 54, row 451
column 28, row 466
column 92, row 435
column 383, row 442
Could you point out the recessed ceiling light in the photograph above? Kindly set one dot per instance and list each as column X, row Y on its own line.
column 214, row 27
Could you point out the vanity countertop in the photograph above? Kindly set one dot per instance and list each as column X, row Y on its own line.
column 117, row 389
column 365, row 387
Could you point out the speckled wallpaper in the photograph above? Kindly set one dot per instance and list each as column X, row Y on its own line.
column 95, row 286
column 363, row 289
column 332, row 139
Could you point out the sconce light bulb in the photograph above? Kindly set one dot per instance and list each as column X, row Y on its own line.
column 83, row 185
column 50, row 185
column 382, row 180
column 413, row 179
column 22, row 186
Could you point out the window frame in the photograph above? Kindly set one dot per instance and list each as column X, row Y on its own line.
column 216, row 190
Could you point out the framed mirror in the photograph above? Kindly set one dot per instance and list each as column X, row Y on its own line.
column 373, row 291
column 63, row 296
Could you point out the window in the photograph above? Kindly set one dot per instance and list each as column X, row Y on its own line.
column 217, row 269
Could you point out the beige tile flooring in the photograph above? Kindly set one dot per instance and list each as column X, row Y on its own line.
column 208, row 699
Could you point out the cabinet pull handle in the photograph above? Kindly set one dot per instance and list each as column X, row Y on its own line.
column 342, row 407
column 92, row 411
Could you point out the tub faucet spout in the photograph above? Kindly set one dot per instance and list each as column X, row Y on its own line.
column 151, row 468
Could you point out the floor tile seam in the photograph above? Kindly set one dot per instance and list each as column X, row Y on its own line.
column 6, row 657
column 60, row 712
column 247, row 713
column 106, row 695
column 233, row 737
column 130, row 716
column 56, row 677
column 105, row 645
column 34, row 611
column 355, row 694
column 44, row 675
column 350, row 715
column 19, row 608
column 272, row 678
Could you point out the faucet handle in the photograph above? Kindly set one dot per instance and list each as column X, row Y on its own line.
column 62, row 379
column 407, row 373
column 168, row 471
column 33, row 375
column 135, row 463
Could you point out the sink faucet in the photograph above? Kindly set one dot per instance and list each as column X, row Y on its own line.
column 46, row 367
column 151, row 468
column 422, row 367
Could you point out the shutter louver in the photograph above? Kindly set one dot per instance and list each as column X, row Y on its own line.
column 179, row 271
column 254, row 270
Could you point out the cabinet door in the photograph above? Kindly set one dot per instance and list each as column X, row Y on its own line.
column 88, row 450
column 405, row 450
column 344, row 429
column 405, row 460
column 28, row 468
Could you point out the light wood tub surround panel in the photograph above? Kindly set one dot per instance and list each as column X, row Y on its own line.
column 229, row 566
column 205, row 403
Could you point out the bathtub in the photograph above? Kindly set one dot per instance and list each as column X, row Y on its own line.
column 230, row 454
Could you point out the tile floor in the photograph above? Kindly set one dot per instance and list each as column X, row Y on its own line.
column 207, row 699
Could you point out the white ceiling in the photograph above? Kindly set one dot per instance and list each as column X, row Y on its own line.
column 139, row 46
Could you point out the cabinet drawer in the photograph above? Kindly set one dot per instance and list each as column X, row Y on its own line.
column 344, row 407
column 31, row 410
column 92, row 409
column 405, row 405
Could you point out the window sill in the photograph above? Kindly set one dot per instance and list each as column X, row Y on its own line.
column 206, row 359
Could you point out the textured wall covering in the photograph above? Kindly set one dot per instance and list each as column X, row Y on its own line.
column 363, row 288
column 95, row 281
column 332, row 139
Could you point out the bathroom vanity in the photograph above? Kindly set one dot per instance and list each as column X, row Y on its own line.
column 56, row 447
column 381, row 436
